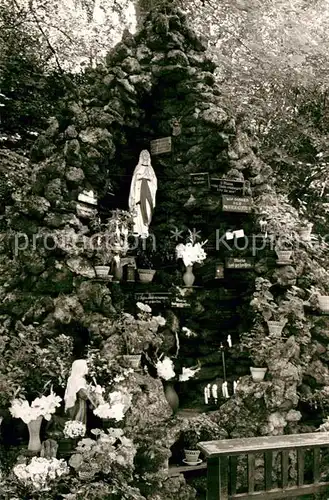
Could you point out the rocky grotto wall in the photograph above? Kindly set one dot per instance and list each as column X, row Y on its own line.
column 156, row 84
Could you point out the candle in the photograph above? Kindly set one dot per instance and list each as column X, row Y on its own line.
column 205, row 395
column 229, row 341
column 214, row 392
column 234, row 386
column 208, row 390
column 225, row 390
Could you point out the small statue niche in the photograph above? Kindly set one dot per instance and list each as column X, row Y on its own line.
column 176, row 126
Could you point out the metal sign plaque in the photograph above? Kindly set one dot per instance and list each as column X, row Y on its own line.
column 236, row 204
column 159, row 146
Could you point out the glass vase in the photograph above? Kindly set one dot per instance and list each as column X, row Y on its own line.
column 188, row 276
column 34, row 427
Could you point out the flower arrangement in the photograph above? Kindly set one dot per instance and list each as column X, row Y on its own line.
column 40, row 472
column 139, row 333
column 26, row 368
column 261, row 348
column 188, row 373
column 44, row 406
column 191, row 252
column 74, row 429
column 119, row 403
column 165, row 368
column 111, row 454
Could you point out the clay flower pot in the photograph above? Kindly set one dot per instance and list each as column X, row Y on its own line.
column 146, row 275
column 323, row 301
column 275, row 328
column 102, row 271
column 192, row 456
column 305, row 232
column 258, row 374
column 284, row 256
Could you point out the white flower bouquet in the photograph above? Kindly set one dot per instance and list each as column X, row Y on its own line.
column 74, row 429
column 165, row 368
column 40, row 471
column 119, row 403
column 44, row 406
column 191, row 252
column 188, row 373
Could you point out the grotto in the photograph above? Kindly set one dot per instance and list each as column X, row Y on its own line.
column 258, row 295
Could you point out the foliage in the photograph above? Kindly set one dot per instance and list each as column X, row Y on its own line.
column 110, row 454
column 75, row 33
column 260, row 348
column 30, row 363
column 138, row 334
column 28, row 94
column 199, row 429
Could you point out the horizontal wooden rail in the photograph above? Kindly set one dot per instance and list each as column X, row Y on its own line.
column 222, row 466
column 264, row 443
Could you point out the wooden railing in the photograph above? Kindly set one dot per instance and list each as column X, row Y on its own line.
column 222, row 459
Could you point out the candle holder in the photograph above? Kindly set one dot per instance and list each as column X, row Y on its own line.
column 219, row 271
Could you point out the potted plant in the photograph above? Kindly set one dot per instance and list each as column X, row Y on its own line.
column 103, row 257
column 145, row 266
column 138, row 333
column 263, row 302
column 305, row 231
column 318, row 299
column 260, row 349
column 191, row 439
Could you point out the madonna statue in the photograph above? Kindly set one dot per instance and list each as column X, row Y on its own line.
column 142, row 194
column 76, row 394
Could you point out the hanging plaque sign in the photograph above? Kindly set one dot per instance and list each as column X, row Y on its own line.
column 153, row 297
column 227, row 186
column 239, row 263
column 159, row 146
column 200, row 179
column 236, row 204
column 180, row 303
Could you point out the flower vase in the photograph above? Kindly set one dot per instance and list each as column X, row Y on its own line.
column 34, row 427
column 117, row 270
column 188, row 276
column 171, row 396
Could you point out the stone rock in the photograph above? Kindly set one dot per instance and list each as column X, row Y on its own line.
column 95, row 297
column 161, row 24
column 92, row 135
column 53, row 127
column 75, row 175
column 79, row 265
column 118, row 53
column 53, row 190
column 67, row 309
column 293, row 416
column 282, row 369
column 32, row 205
column 56, row 220
column 214, row 116
column 177, row 57
column 142, row 82
column 71, row 132
column 285, row 276
column 143, row 54
column 319, row 371
column 131, row 66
